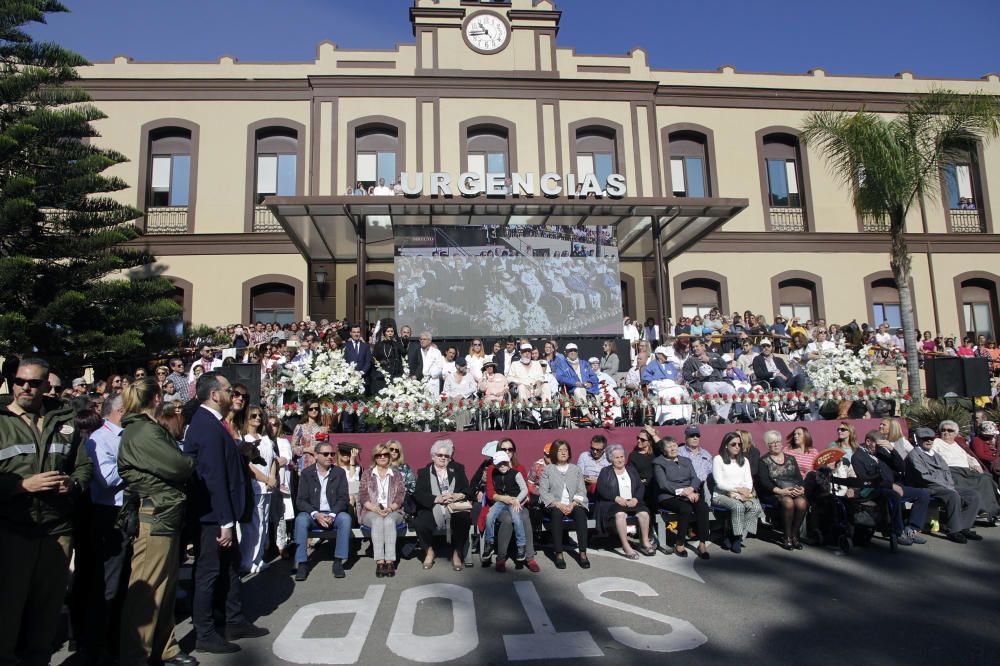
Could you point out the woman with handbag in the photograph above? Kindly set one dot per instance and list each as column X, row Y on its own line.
column 442, row 502
column 734, row 489
column 780, row 482
column 156, row 472
column 380, row 500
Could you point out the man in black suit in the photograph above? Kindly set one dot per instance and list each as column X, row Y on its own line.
column 358, row 352
column 220, row 502
column 773, row 370
column 505, row 356
column 322, row 503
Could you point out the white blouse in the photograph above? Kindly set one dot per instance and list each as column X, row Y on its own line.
column 624, row 485
column 729, row 476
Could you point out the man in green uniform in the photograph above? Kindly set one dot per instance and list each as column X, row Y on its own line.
column 43, row 471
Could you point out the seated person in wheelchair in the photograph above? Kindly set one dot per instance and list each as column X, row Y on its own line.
column 664, row 381
column 528, row 377
column 633, row 378
column 875, row 464
column 575, row 375
column 741, row 382
column 493, row 385
column 771, row 369
column 703, row 373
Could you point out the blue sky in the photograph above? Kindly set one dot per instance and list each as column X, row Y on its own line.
column 954, row 38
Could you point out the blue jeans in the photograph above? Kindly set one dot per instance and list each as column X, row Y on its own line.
column 494, row 514
column 304, row 522
column 920, row 497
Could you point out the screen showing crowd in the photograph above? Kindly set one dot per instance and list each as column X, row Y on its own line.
column 508, row 280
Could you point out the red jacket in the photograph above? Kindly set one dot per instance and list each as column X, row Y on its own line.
column 987, row 453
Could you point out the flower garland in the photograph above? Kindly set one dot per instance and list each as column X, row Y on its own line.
column 840, row 368
column 326, row 377
column 403, row 405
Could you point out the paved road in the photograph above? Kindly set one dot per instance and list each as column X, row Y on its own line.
column 925, row 605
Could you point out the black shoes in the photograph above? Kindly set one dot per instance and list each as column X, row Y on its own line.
column 584, row 561
column 487, row 550
column 301, row 572
column 971, row 535
column 216, row 645
column 182, row 659
column 338, row 569
column 235, row 632
column 560, row 562
column 957, row 537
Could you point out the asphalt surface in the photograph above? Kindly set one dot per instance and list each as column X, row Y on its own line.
column 926, row 604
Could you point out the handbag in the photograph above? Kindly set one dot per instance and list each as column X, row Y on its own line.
column 460, row 507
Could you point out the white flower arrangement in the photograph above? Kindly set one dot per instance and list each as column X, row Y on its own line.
column 403, row 405
column 326, row 377
column 840, row 369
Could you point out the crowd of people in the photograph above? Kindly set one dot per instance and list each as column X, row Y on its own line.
column 132, row 484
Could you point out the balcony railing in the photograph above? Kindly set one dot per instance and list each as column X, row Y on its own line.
column 167, row 220
column 264, row 220
column 876, row 226
column 965, row 221
column 788, row 219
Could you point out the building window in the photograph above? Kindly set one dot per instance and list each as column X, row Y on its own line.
column 885, row 303
column 277, row 163
column 963, row 193
column 488, row 151
column 797, row 298
column 689, row 165
column 376, row 156
column 699, row 296
column 781, row 158
column 979, row 307
column 379, row 300
column 596, row 154
column 170, row 167
column 272, row 302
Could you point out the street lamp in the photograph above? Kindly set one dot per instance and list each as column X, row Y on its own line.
column 320, row 276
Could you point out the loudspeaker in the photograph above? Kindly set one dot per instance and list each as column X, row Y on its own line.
column 957, row 377
column 247, row 374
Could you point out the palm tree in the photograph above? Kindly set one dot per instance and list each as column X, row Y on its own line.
column 888, row 163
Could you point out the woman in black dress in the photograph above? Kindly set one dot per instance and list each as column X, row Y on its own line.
column 388, row 353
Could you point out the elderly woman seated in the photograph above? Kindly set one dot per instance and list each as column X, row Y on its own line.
column 780, row 483
column 441, row 496
column 966, row 470
column 680, row 492
column 562, row 492
column 618, row 492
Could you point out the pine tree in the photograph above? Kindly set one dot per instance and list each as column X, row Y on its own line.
column 63, row 291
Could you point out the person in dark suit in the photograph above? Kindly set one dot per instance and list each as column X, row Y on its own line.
column 441, row 483
column 389, row 355
column 220, row 502
column 506, row 356
column 322, row 502
column 358, row 352
column 773, row 370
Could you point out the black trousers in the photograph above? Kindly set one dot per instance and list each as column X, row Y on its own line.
column 107, row 583
column 215, row 566
column 353, row 423
column 425, row 525
column 557, row 527
column 685, row 510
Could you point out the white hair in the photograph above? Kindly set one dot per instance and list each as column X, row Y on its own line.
column 945, row 424
column 446, row 444
column 611, row 450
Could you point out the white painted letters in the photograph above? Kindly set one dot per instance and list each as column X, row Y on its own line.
column 545, row 642
column 291, row 645
column 464, row 636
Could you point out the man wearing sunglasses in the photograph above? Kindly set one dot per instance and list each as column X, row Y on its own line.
column 43, row 470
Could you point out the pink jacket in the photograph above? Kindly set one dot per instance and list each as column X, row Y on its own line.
column 369, row 491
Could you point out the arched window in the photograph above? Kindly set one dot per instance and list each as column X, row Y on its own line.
column 689, row 164
column 885, row 303
column 276, row 163
column 698, row 296
column 797, row 297
column 964, row 196
column 980, row 310
column 784, row 175
column 379, row 300
column 169, row 175
column 488, row 150
column 272, row 302
column 596, row 153
column 376, row 155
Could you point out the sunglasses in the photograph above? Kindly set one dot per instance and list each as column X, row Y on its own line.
column 843, row 430
column 442, row 455
column 33, row 383
column 313, row 409
column 240, row 394
column 597, row 450
column 325, row 454
column 395, row 450
column 641, row 438
column 382, row 455
column 508, row 449
column 735, row 444
column 255, row 416
column 949, row 430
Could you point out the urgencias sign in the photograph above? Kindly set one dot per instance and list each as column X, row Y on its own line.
column 472, row 184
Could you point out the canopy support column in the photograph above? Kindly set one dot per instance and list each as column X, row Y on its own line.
column 661, row 291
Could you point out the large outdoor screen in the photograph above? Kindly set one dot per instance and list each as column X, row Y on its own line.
column 508, row 280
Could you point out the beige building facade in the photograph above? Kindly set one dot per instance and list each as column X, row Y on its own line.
column 486, row 85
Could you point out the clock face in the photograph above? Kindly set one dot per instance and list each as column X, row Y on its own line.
column 486, row 32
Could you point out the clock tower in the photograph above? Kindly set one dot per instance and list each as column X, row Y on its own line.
column 514, row 38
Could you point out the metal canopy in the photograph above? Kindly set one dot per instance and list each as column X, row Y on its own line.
column 327, row 228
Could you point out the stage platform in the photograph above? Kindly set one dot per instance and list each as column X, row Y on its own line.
column 468, row 445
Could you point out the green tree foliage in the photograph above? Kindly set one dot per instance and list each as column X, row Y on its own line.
column 63, row 293
column 890, row 163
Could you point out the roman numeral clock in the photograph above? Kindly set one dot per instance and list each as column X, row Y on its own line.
column 486, row 32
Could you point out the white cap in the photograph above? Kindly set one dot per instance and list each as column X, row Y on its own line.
column 766, row 341
column 526, row 347
column 79, row 381
column 662, row 350
column 728, row 358
column 593, row 359
column 501, row 457
column 571, row 347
